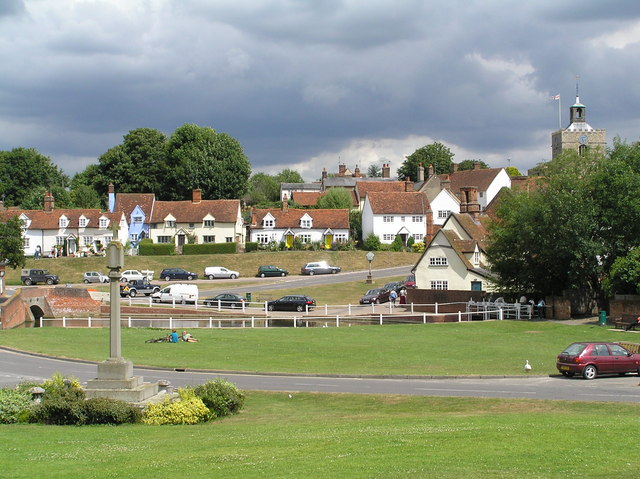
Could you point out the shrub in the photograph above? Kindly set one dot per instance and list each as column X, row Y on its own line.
column 250, row 246
column 110, row 411
column 15, row 405
column 209, row 248
column 188, row 410
column 372, row 243
column 148, row 248
column 65, row 408
column 221, row 397
column 396, row 245
column 418, row 247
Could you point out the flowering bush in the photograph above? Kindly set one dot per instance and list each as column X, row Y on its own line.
column 188, row 410
column 14, row 405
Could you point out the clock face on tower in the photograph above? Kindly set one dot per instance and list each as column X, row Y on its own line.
column 583, row 139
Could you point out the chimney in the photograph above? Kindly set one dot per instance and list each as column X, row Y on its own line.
column 196, row 196
column 476, row 165
column 341, row 169
column 469, row 200
column 420, row 172
column 356, row 172
column 446, row 183
column 111, row 197
column 324, row 173
column 408, row 184
column 386, row 171
column 285, row 204
column 48, row 202
column 431, row 171
column 454, row 167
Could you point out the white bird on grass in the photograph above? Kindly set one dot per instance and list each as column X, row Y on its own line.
column 527, row 366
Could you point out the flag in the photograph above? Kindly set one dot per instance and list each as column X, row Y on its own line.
column 555, row 97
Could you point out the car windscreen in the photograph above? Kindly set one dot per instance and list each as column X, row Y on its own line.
column 574, row 349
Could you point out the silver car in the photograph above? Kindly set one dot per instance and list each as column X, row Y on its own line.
column 95, row 277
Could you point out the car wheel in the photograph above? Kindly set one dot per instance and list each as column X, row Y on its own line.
column 590, row 372
column 49, row 281
column 299, row 308
column 156, row 290
column 233, row 305
column 282, row 274
column 86, row 281
column 310, row 273
column 211, row 276
column 333, row 271
column 167, row 278
column 262, row 275
column 106, row 281
column 568, row 374
column 133, row 293
column 233, row 276
column 27, row 282
column 270, row 307
column 189, row 278
column 376, row 301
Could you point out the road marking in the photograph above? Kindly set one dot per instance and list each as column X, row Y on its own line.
column 484, row 391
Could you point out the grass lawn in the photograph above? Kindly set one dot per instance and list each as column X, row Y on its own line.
column 345, row 436
column 468, row 348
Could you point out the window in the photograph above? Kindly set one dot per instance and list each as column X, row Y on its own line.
column 268, row 223
column 305, row 223
column 209, row 223
column 191, row 225
column 418, row 237
column 64, row 222
column 104, row 223
column 417, row 219
column 444, row 214
column 438, row 261
column 59, row 240
column 137, row 219
column 481, row 194
column 82, row 222
column 170, row 224
column 340, row 237
column 305, row 238
column 388, row 237
column 229, row 239
column 387, row 219
column 164, row 239
column 476, row 257
column 133, row 237
column 25, row 242
column 262, row 238
column 402, row 219
column 439, row 284
column 87, row 240
column 209, row 239
column 108, row 239
column 153, row 226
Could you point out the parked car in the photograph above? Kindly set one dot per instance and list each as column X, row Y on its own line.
column 180, row 292
column 34, row 276
column 177, row 273
column 376, row 296
column 225, row 300
column 271, row 271
column 395, row 285
column 320, row 267
column 138, row 286
column 132, row 274
column 592, row 359
column 94, row 277
column 410, row 281
column 292, row 302
column 213, row 272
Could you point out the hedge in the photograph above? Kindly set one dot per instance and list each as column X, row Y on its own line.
column 250, row 246
column 210, row 248
column 148, row 248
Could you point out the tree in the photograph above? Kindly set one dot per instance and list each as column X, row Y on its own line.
column 24, row 169
column 288, row 176
column 336, row 198
column 263, row 189
column 625, row 274
column 35, row 199
column 11, row 249
column 435, row 154
column 374, row 171
column 568, row 232
column 200, row 157
column 471, row 164
column 355, row 225
column 513, row 171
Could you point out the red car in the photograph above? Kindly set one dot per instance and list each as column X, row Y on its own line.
column 591, row 359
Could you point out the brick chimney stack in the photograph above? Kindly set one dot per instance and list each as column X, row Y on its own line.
column 469, row 200
column 454, row 167
column 196, row 196
column 476, row 165
column 341, row 169
column 431, row 171
column 446, row 183
column 324, row 173
column 408, row 185
column 420, row 172
column 386, row 170
column 356, row 172
column 285, row 204
column 48, row 202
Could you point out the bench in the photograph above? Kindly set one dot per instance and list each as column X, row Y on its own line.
column 625, row 320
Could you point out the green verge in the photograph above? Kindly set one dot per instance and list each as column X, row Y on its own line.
column 343, row 435
column 468, row 348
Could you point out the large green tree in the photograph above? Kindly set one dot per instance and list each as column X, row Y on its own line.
column 22, row 170
column 11, row 249
column 471, row 164
column 263, row 189
column 200, row 157
column 567, row 233
column 336, row 198
column 435, row 154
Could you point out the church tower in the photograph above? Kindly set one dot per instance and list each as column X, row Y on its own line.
column 579, row 135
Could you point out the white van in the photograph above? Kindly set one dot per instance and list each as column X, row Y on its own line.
column 180, row 292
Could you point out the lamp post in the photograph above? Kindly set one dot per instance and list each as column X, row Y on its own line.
column 370, row 256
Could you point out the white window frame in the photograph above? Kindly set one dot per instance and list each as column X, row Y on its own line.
column 262, row 238
column 388, row 237
column 82, row 222
column 87, row 240
column 268, row 223
column 63, row 222
column 438, row 261
column 304, row 237
column 418, row 237
column 170, row 224
column 209, row 223
column 306, row 223
column 104, row 223
column 209, row 238
column 164, row 239
column 417, row 219
column 439, row 284
column 387, row 219
column 443, row 214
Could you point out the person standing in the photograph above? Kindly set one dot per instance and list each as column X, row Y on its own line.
column 392, row 296
column 541, row 305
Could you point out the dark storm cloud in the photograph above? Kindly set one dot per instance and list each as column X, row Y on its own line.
column 305, row 83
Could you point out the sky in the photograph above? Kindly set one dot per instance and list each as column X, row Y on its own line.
column 311, row 84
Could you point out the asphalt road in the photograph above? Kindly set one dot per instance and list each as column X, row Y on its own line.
column 16, row 367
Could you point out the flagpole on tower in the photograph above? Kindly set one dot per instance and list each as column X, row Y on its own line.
column 557, row 97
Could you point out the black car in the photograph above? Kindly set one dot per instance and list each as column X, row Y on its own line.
column 225, row 300
column 271, row 271
column 177, row 273
column 292, row 302
column 376, row 296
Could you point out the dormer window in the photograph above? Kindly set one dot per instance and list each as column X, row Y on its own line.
column 170, row 224
column 137, row 219
column 268, row 223
column 82, row 222
column 209, row 223
column 63, row 222
column 104, row 223
column 305, row 223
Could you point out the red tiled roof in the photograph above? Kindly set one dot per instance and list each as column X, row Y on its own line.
column 306, row 198
column 481, row 179
column 187, row 211
column 126, row 202
column 323, row 218
column 410, row 203
column 364, row 187
column 49, row 220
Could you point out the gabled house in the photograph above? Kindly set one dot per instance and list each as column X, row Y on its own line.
column 325, row 226
column 70, row 232
column 487, row 182
column 137, row 208
column 404, row 214
column 455, row 258
column 204, row 221
column 363, row 187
